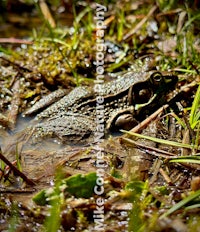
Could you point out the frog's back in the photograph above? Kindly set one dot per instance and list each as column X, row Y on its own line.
column 65, row 103
column 124, row 82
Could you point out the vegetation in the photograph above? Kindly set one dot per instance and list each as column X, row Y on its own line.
column 152, row 182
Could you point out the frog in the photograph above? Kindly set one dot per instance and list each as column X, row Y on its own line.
column 126, row 101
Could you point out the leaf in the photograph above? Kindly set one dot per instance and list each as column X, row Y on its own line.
column 78, row 185
column 81, row 185
column 29, row 94
column 40, row 198
column 136, row 186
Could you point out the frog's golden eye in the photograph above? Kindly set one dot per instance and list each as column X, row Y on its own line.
column 156, row 78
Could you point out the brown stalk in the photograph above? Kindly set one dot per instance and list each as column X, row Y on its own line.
column 15, row 41
column 146, row 122
column 46, row 13
column 140, row 24
column 15, row 170
column 151, row 150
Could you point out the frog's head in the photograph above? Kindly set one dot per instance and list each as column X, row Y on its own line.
column 145, row 97
column 162, row 82
column 156, row 84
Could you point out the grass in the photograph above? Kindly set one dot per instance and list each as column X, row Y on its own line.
column 194, row 119
column 52, row 222
column 194, row 159
column 163, row 141
column 121, row 23
column 14, row 219
column 182, row 203
column 166, row 5
column 71, row 42
column 57, row 46
column 140, row 201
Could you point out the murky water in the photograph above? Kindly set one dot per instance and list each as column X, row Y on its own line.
column 16, row 137
column 22, row 25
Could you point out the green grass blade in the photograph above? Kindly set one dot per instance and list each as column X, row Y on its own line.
column 185, row 70
column 114, row 66
column 157, row 140
column 195, row 109
column 55, row 40
column 178, row 119
column 181, row 203
column 18, row 158
column 193, row 206
column 177, row 160
column 197, row 135
column 80, row 16
column 189, row 22
column 187, row 159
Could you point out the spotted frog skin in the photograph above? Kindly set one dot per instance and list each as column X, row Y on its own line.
column 127, row 100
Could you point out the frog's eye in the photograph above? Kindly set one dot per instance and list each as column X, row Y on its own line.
column 156, row 78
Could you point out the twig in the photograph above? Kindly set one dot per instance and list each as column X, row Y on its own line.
column 156, row 166
column 15, row 170
column 15, row 41
column 155, row 151
column 18, row 67
column 140, row 24
column 46, row 13
column 145, row 122
column 12, row 191
column 165, row 176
